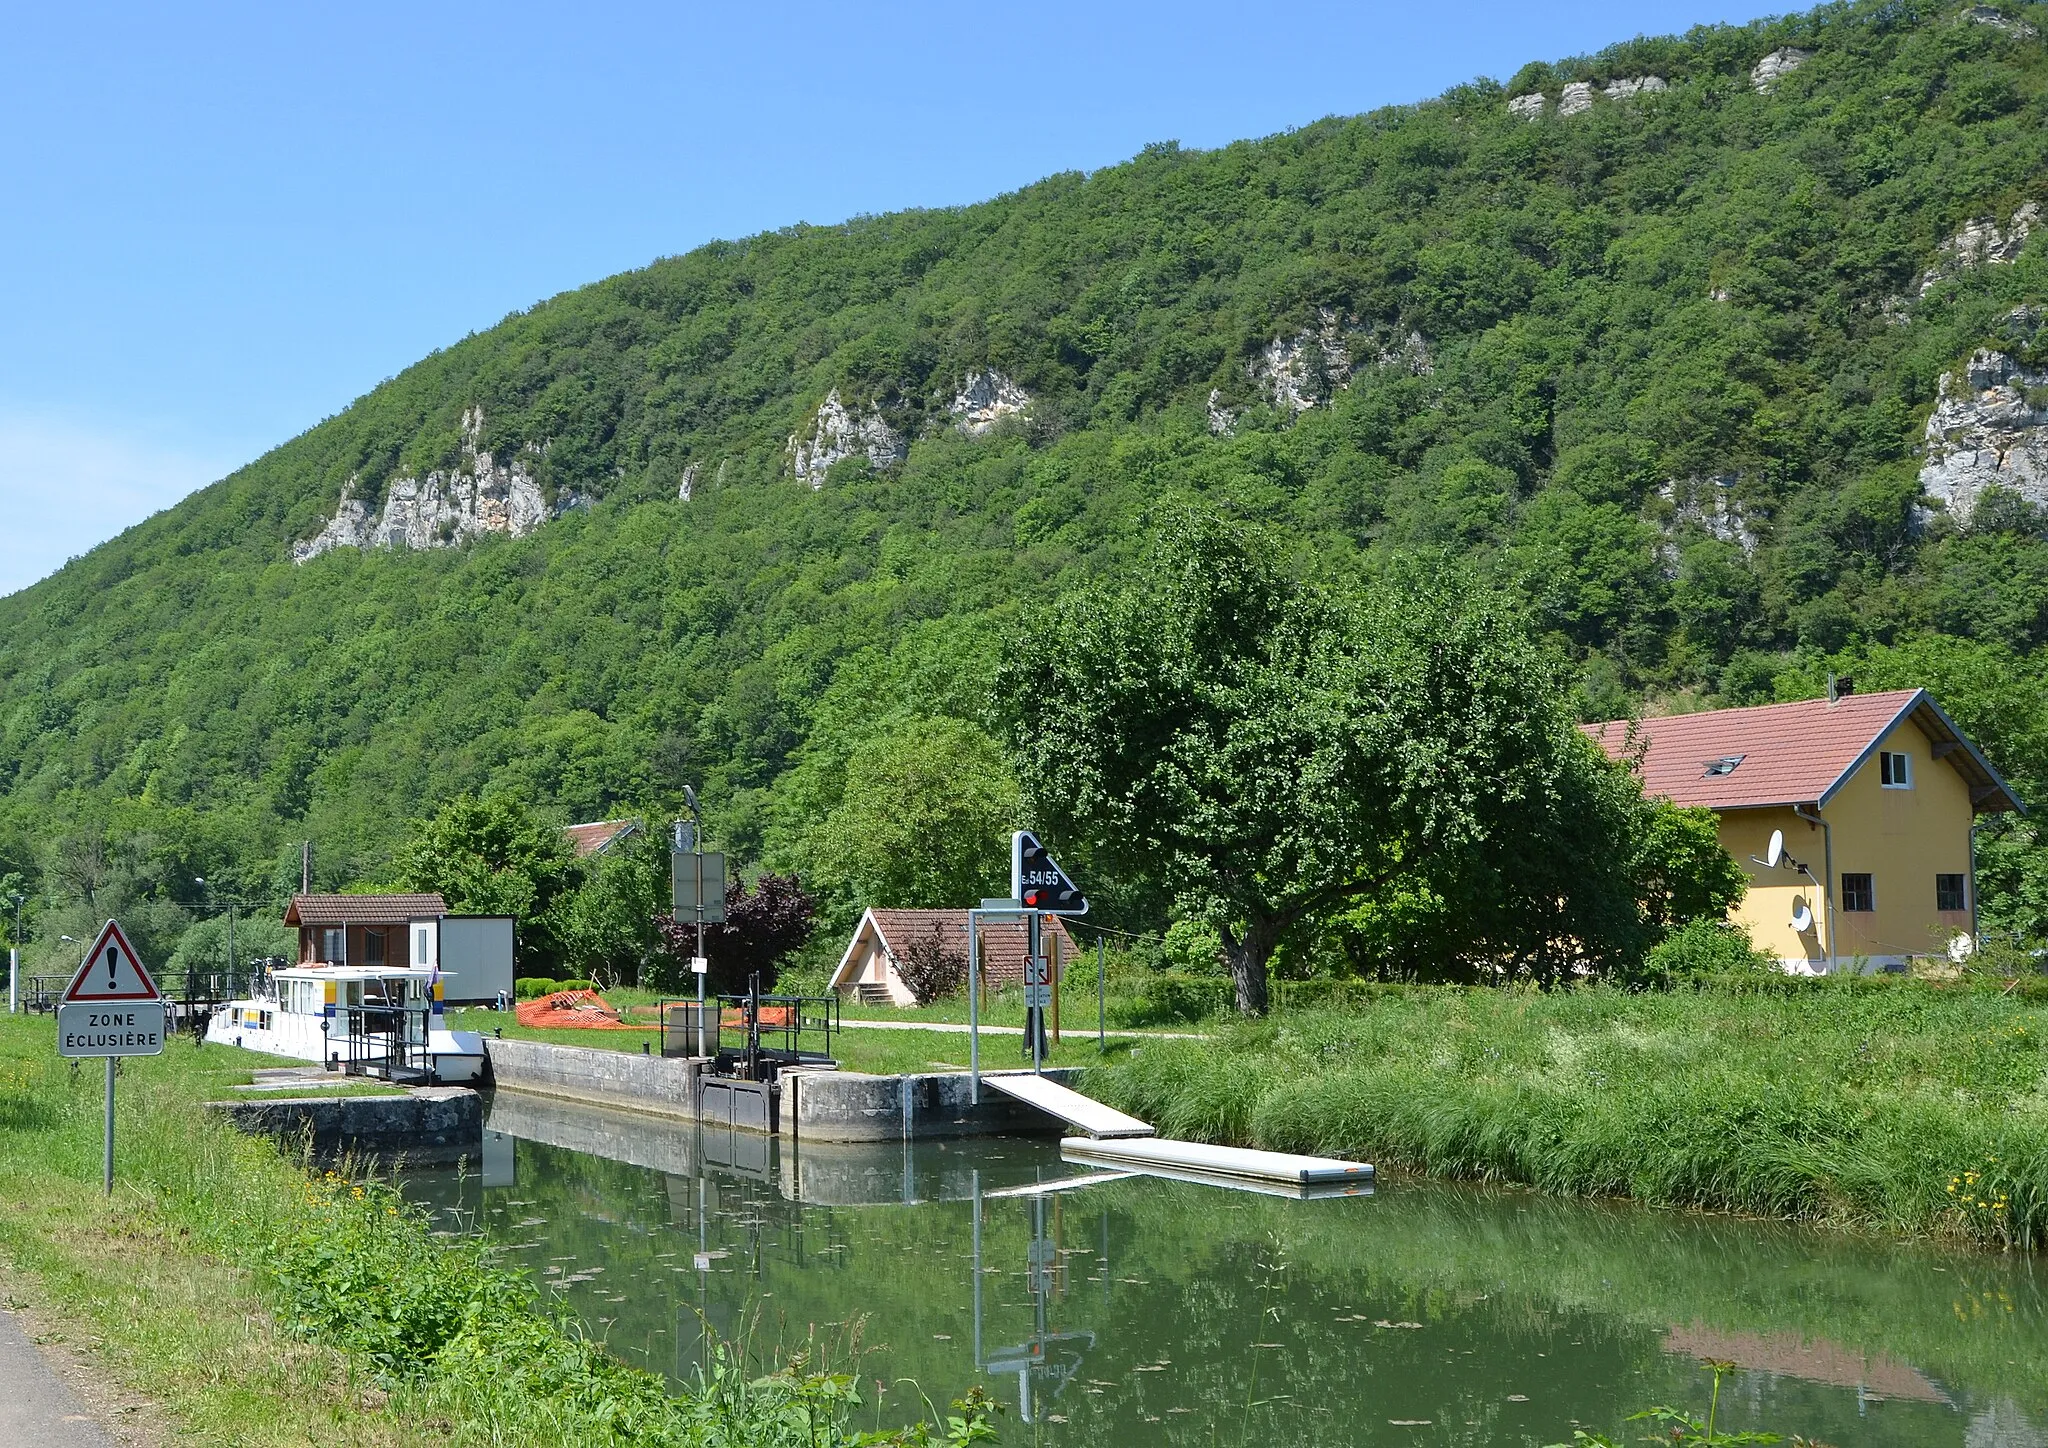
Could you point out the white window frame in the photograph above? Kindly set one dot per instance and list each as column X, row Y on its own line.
column 1894, row 769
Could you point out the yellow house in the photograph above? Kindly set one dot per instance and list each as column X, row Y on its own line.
column 1872, row 797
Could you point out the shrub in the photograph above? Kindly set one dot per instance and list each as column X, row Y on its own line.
column 533, row 987
column 1704, row 950
column 932, row 968
column 574, row 985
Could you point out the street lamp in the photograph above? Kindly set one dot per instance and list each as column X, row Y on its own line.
column 14, row 959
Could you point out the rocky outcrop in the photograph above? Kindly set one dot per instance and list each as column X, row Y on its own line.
column 1408, row 354
column 1985, row 15
column 1776, row 66
column 446, row 508
column 1311, row 366
column 1710, row 505
column 1989, row 429
column 842, row 432
column 1315, row 364
column 1577, row 97
column 985, row 399
column 1982, row 242
column 1624, row 87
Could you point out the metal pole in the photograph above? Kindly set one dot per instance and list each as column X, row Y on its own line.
column 974, row 1042
column 1034, row 1016
column 107, row 1171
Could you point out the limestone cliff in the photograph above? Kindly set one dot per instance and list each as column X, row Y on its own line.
column 1776, row 66
column 1982, row 242
column 1989, row 429
column 1577, row 96
column 840, row 432
column 1710, row 505
column 985, row 399
column 445, row 509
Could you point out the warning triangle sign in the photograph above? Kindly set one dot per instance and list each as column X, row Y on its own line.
column 112, row 972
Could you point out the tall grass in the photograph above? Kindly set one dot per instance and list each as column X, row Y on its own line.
column 1902, row 1107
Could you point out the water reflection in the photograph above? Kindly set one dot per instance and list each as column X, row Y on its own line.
column 1111, row 1309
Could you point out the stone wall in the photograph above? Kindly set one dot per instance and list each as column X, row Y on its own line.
column 426, row 1124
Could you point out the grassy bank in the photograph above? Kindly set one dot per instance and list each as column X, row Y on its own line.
column 1882, row 1104
column 265, row 1306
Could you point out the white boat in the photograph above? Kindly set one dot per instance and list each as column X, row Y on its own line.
column 378, row 1020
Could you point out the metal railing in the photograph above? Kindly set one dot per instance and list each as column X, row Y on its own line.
column 381, row 1040
column 753, row 1035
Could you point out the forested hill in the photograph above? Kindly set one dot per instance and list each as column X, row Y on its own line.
column 1658, row 348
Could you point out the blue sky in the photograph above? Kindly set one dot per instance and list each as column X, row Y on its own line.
column 223, row 223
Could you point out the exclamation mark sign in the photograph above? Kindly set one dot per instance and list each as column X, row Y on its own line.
column 113, row 962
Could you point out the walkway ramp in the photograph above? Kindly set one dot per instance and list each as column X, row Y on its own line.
column 1070, row 1106
column 1199, row 1160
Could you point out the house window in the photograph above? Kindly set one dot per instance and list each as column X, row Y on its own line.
column 1725, row 764
column 419, row 947
column 1951, row 893
column 373, row 947
column 330, row 945
column 1858, row 893
column 1895, row 770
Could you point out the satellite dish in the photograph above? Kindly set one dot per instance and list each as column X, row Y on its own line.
column 1802, row 919
column 1776, row 852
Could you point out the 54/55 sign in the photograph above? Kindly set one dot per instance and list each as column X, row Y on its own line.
column 111, row 1007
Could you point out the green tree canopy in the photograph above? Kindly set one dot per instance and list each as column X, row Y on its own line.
column 1283, row 752
column 493, row 856
column 924, row 820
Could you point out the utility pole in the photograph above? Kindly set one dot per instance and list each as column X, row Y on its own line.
column 306, row 868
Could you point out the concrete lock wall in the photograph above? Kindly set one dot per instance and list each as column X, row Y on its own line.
column 814, row 1105
column 665, row 1085
column 426, row 1124
column 845, row 1106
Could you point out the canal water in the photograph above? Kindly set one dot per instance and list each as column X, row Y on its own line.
column 1144, row 1311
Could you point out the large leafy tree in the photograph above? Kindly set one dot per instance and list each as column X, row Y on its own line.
column 493, row 856
column 924, row 818
column 1282, row 752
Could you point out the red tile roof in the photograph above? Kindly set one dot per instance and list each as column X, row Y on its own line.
column 1002, row 941
column 598, row 836
column 362, row 909
column 1787, row 754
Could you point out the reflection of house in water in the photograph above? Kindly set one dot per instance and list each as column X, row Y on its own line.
column 1818, row 1361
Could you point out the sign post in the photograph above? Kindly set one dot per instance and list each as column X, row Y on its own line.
column 112, row 1008
column 1039, row 884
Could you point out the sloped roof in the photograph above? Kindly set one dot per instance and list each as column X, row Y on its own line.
column 1003, row 942
column 362, row 909
column 1787, row 754
column 598, row 836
